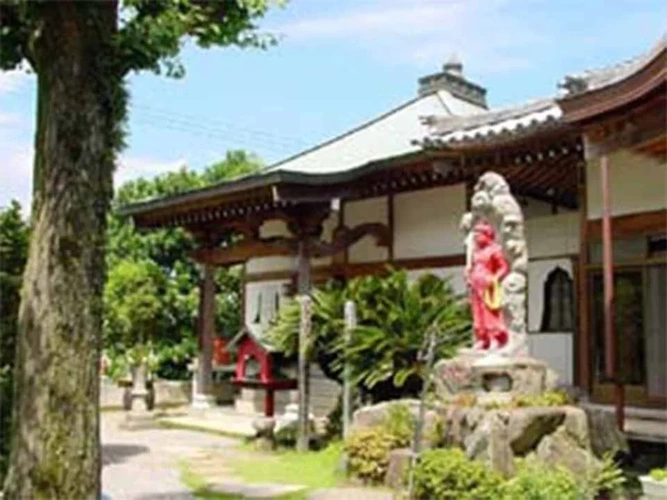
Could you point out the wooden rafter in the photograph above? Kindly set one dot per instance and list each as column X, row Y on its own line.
column 288, row 246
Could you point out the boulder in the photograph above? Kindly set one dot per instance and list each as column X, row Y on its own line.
column 377, row 415
column 454, row 376
column 399, row 464
column 604, row 433
column 576, row 426
column 286, row 425
column 560, row 450
column 528, row 425
column 490, row 442
column 264, row 426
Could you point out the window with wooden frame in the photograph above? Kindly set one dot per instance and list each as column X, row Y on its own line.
column 558, row 312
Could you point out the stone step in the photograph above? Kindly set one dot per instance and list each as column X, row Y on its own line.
column 245, row 490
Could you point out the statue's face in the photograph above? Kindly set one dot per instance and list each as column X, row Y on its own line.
column 480, row 200
column 512, row 226
column 482, row 239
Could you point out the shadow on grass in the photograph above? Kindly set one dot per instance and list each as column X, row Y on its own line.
column 200, row 489
column 118, row 453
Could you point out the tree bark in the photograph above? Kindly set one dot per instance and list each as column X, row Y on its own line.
column 56, row 442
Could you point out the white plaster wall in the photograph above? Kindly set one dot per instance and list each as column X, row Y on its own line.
column 553, row 235
column 364, row 211
column 557, row 351
column 556, row 348
column 637, row 184
column 427, row 222
column 455, row 275
column 535, row 208
column 271, row 229
column 266, row 307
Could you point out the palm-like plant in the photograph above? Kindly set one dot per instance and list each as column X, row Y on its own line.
column 394, row 317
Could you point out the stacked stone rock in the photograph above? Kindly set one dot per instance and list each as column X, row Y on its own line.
column 493, row 201
column 564, row 436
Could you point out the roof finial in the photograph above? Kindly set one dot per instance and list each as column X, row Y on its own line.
column 453, row 65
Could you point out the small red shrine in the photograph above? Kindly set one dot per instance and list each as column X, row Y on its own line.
column 257, row 367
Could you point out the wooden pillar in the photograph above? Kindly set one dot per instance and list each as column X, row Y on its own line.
column 203, row 397
column 608, row 292
column 303, row 434
column 269, row 402
column 584, row 334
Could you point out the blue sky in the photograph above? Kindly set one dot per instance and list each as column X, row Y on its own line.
column 341, row 62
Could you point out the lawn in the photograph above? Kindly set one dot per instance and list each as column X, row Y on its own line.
column 314, row 470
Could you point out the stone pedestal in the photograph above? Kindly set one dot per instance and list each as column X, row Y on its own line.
column 139, row 415
column 491, row 377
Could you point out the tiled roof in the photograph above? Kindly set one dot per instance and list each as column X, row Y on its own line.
column 590, row 80
column 387, row 136
column 499, row 124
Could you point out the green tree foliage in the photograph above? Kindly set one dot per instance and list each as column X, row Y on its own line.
column 394, row 317
column 160, row 257
column 13, row 254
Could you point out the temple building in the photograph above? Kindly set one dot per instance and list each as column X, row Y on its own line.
column 392, row 192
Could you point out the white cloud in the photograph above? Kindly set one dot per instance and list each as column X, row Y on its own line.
column 16, row 166
column 134, row 167
column 426, row 32
column 13, row 81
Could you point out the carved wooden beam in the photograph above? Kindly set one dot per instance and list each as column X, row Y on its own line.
column 244, row 250
column 271, row 247
column 345, row 237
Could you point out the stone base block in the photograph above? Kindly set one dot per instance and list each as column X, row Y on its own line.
column 203, row 401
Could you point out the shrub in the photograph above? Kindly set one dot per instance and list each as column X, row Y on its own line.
column 549, row 398
column 608, row 480
column 400, row 423
column 394, row 318
column 368, row 453
column 536, row 481
column 447, row 474
column 658, row 474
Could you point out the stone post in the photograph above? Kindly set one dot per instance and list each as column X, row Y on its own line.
column 303, row 434
column 203, row 382
column 350, row 325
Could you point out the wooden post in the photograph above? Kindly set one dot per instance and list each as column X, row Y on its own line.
column 303, row 435
column 584, row 335
column 269, row 402
column 608, row 289
column 203, row 398
column 350, row 325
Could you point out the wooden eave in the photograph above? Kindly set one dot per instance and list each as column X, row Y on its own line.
column 594, row 104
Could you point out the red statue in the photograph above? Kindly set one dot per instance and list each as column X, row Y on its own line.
column 484, row 275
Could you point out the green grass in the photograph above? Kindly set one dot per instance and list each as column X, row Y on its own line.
column 314, row 469
column 199, row 489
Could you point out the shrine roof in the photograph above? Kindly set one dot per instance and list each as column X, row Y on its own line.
column 384, row 138
column 256, row 333
column 495, row 125
column 596, row 79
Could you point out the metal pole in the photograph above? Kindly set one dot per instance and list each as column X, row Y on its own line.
column 350, row 325
column 608, row 291
column 426, row 358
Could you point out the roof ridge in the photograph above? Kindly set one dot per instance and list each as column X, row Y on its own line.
column 492, row 116
column 577, row 82
column 351, row 131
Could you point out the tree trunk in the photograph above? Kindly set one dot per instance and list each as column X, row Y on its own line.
column 56, row 441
